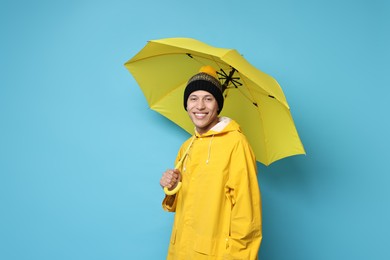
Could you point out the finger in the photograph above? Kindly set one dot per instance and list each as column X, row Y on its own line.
column 168, row 179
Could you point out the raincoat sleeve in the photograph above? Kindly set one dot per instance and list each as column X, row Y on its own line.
column 244, row 194
column 169, row 203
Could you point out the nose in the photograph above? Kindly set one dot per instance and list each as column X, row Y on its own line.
column 200, row 104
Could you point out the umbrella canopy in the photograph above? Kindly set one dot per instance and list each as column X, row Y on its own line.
column 252, row 98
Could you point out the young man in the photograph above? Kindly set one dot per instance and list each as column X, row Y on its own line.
column 218, row 208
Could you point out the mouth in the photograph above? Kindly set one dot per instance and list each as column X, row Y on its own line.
column 199, row 115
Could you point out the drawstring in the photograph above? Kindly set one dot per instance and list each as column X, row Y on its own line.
column 208, row 156
column 183, row 161
column 185, row 155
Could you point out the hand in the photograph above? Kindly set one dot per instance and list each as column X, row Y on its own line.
column 170, row 178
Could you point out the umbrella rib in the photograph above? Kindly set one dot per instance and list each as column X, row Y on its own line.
column 161, row 54
column 250, row 100
column 259, row 114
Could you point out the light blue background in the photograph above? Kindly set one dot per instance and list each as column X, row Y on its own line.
column 81, row 154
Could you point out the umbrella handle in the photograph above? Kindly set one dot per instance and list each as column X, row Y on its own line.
column 178, row 186
column 174, row 191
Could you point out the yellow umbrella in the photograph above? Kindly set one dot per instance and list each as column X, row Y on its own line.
column 252, row 98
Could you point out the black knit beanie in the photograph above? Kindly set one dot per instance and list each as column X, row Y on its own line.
column 206, row 82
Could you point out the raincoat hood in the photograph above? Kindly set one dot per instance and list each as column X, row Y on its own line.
column 224, row 125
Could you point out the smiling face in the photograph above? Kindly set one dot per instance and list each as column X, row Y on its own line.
column 202, row 108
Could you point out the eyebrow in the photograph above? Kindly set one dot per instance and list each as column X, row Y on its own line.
column 194, row 95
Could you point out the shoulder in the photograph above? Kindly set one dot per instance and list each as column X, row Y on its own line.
column 235, row 141
column 240, row 142
column 237, row 136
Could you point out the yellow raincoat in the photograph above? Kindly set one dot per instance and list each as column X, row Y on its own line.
column 218, row 209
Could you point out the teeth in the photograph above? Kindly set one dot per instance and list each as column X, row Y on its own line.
column 200, row 114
